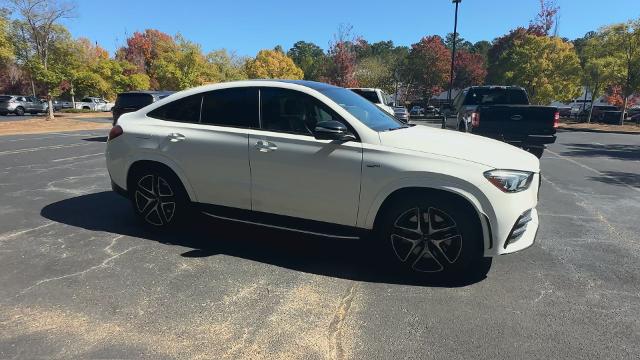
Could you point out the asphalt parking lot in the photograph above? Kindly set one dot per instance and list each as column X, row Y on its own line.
column 81, row 279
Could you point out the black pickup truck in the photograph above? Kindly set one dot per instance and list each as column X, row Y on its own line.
column 503, row 113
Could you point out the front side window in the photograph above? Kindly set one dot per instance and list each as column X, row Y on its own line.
column 236, row 107
column 362, row 109
column 186, row 109
column 292, row 111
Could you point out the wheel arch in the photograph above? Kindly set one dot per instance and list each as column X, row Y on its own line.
column 468, row 199
column 140, row 164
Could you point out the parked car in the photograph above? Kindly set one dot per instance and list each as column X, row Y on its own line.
column 635, row 118
column 416, row 112
column 564, row 111
column 431, row 111
column 20, row 105
column 61, row 104
column 401, row 113
column 611, row 116
column 94, row 104
column 598, row 111
column 320, row 160
column 504, row 113
column 376, row 96
column 135, row 100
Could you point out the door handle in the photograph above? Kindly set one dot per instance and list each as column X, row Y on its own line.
column 265, row 146
column 175, row 137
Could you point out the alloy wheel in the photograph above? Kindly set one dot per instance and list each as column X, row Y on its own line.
column 155, row 200
column 426, row 239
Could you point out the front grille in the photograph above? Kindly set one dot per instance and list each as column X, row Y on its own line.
column 519, row 228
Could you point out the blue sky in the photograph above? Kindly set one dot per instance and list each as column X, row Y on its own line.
column 247, row 26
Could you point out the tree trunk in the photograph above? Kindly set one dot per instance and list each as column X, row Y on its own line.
column 73, row 96
column 33, row 88
column 50, row 102
column 624, row 109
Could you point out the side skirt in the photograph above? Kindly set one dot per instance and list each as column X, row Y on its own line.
column 281, row 222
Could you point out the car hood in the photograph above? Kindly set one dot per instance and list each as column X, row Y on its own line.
column 462, row 146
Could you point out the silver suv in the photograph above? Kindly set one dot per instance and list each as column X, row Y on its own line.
column 19, row 105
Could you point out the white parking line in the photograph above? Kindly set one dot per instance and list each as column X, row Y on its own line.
column 594, row 171
column 77, row 157
column 52, row 147
column 57, row 136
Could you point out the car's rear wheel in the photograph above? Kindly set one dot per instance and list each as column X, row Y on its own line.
column 19, row 111
column 158, row 197
column 433, row 234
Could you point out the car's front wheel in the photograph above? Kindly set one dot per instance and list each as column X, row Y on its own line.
column 19, row 111
column 158, row 197
column 433, row 234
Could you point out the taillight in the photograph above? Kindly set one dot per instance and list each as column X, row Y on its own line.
column 475, row 119
column 556, row 119
column 115, row 132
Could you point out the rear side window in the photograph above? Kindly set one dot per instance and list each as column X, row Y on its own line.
column 236, row 107
column 5, row 98
column 135, row 101
column 186, row 109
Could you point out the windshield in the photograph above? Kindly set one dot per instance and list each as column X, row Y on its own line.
column 368, row 113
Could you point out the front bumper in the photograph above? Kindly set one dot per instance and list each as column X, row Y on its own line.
column 514, row 224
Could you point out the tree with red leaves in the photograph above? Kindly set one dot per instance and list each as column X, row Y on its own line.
column 144, row 49
column 429, row 65
column 469, row 70
column 341, row 69
column 545, row 19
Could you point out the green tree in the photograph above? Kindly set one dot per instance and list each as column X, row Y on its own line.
column 461, row 43
column 228, row 65
column 6, row 48
column 373, row 72
column 38, row 40
column 595, row 64
column 310, row 58
column 621, row 44
column 547, row 67
column 273, row 64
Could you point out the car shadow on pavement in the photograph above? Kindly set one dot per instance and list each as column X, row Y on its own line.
column 618, row 178
column 96, row 139
column 614, row 151
column 347, row 259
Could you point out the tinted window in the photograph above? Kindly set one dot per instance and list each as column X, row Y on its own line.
column 183, row 110
column 237, row 107
column 491, row 96
column 135, row 101
column 367, row 94
column 292, row 111
column 5, row 98
column 86, row 100
column 362, row 109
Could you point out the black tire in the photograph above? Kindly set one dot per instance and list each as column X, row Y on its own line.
column 19, row 111
column 158, row 197
column 451, row 245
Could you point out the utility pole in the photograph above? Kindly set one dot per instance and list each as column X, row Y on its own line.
column 453, row 49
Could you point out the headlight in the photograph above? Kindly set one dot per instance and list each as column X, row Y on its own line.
column 510, row 181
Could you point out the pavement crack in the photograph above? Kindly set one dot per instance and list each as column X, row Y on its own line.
column 11, row 235
column 103, row 264
column 337, row 324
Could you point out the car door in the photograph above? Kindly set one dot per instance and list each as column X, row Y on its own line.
column 295, row 174
column 206, row 136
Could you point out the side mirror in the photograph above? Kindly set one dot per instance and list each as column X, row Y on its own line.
column 332, row 130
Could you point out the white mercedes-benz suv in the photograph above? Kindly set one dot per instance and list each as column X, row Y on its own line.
column 322, row 160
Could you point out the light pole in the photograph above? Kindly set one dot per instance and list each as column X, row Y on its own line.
column 453, row 49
